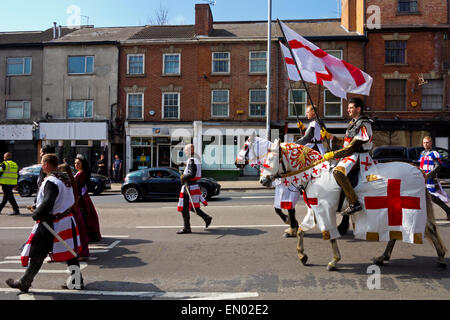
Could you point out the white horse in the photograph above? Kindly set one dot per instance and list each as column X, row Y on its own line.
column 393, row 195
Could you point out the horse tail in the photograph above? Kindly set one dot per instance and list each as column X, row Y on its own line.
column 431, row 228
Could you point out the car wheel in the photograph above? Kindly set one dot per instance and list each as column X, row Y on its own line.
column 97, row 189
column 131, row 194
column 25, row 189
column 204, row 191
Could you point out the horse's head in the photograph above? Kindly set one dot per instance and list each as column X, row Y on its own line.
column 242, row 157
column 271, row 165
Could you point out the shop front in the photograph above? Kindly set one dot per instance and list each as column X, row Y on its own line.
column 19, row 139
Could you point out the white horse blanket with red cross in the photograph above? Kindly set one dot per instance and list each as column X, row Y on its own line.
column 393, row 197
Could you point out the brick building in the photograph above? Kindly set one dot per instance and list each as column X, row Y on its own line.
column 206, row 84
column 408, row 57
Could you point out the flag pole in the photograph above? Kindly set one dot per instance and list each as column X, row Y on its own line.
column 269, row 47
column 322, row 124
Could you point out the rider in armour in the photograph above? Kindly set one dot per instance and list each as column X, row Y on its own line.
column 357, row 140
column 312, row 137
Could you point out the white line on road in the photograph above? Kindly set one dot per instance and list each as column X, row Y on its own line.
column 240, row 206
column 236, row 226
column 149, row 294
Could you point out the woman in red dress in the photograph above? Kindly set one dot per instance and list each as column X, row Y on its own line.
column 85, row 203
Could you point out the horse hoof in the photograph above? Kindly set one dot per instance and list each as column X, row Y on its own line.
column 331, row 268
column 304, row 259
column 442, row 264
column 342, row 230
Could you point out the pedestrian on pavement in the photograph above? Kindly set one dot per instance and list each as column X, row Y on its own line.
column 191, row 195
column 117, row 167
column 101, row 164
column 84, row 239
column 86, row 206
column 8, row 179
column 54, row 207
column 430, row 164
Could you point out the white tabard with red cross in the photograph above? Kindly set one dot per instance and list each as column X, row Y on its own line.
column 395, row 206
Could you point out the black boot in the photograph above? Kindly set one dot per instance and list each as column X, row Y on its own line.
column 184, row 230
column 208, row 220
column 187, row 224
column 18, row 284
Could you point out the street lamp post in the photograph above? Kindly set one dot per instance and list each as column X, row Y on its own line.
column 269, row 36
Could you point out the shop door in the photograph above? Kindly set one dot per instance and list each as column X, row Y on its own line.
column 163, row 155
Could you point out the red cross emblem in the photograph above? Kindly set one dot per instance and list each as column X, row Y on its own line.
column 324, row 166
column 394, row 202
column 366, row 163
column 348, row 159
column 305, row 176
column 295, row 179
column 286, row 182
column 315, row 171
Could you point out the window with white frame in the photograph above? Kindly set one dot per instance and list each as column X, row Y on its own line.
column 80, row 64
column 333, row 104
column 18, row 110
column 135, row 106
column 80, row 108
column 171, row 105
column 335, row 53
column 257, row 103
column 258, row 61
column 297, row 102
column 135, row 64
column 171, row 63
column 18, row 66
column 220, row 62
column 220, row 103
column 432, row 95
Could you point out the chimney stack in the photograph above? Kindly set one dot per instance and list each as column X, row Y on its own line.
column 352, row 15
column 59, row 31
column 54, row 30
column 203, row 19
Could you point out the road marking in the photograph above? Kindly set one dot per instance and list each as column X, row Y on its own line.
column 26, row 296
column 22, row 270
column 236, row 226
column 148, row 294
column 442, row 222
column 16, row 228
column 257, row 197
column 240, row 206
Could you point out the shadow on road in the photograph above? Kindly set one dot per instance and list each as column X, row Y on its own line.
column 242, row 232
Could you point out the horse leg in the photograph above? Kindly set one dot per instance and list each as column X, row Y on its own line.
column 300, row 248
column 336, row 256
column 293, row 228
column 432, row 233
column 344, row 225
column 379, row 261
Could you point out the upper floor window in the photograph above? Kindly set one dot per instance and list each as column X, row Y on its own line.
column 18, row 110
column 395, row 51
column 407, row 5
column 297, row 103
column 80, row 108
column 221, row 62
column 18, row 66
column 333, row 104
column 220, row 103
column 257, row 103
column 335, row 53
column 258, row 61
column 395, row 95
column 171, row 105
column 80, row 64
column 135, row 64
column 135, row 105
column 171, row 63
column 432, row 95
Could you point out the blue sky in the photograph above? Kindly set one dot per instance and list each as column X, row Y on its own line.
column 26, row 15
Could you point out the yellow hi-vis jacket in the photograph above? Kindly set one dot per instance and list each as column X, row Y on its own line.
column 10, row 174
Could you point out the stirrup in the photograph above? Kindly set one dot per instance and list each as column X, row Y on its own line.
column 351, row 209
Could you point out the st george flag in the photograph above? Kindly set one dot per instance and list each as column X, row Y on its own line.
column 290, row 64
column 317, row 66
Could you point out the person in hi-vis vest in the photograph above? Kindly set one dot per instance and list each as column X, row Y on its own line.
column 8, row 179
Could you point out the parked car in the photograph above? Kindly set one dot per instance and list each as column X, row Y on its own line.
column 411, row 155
column 28, row 176
column 161, row 182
